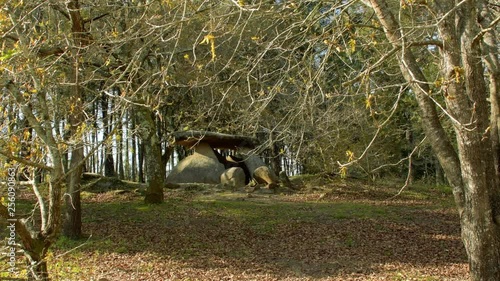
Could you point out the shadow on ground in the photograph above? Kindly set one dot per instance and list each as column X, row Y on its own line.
column 234, row 236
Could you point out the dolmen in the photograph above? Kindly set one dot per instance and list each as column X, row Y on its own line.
column 207, row 165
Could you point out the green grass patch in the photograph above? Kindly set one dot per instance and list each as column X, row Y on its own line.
column 306, row 212
column 291, row 234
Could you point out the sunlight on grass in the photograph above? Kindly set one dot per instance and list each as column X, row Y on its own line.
column 144, row 208
column 219, row 230
column 309, row 212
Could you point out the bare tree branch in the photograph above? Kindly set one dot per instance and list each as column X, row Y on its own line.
column 24, row 161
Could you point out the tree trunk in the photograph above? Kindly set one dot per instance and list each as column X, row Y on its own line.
column 133, row 144
column 440, row 180
column 490, row 46
column 473, row 177
column 155, row 171
column 109, row 164
column 72, row 225
column 411, row 145
column 36, row 243
column 121, row 161
column 140, row 161
column 35, row 263
column 480, row 232
column 126, row 159
column 38, row 271
column 275, row 154
column 95, row 139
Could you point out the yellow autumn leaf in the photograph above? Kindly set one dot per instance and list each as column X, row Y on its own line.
column 343, row 172
column 80, row 130
column 369, row 101
column 458, row 73
column 350, row 155
column 212, row 50
column 210, row 39
column 207, row 39
column 352, row 45
column 439, row 82
column 26, row 135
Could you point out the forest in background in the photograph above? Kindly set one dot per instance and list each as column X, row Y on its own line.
column 284, row 72
column 328, row 87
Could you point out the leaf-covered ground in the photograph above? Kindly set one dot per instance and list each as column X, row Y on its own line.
column 327, row 231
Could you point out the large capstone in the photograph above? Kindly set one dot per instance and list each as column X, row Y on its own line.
column 215, row 140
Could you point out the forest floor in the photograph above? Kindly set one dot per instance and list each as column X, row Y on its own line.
column 328, row 230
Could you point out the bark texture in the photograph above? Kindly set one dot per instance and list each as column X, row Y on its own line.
column 155, row 171
column 472, row 168
column 36, row 241
column 72, row 225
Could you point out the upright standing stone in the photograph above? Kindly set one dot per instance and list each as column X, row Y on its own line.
column 260, row 172
column 201, row 167
column 233, row 177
